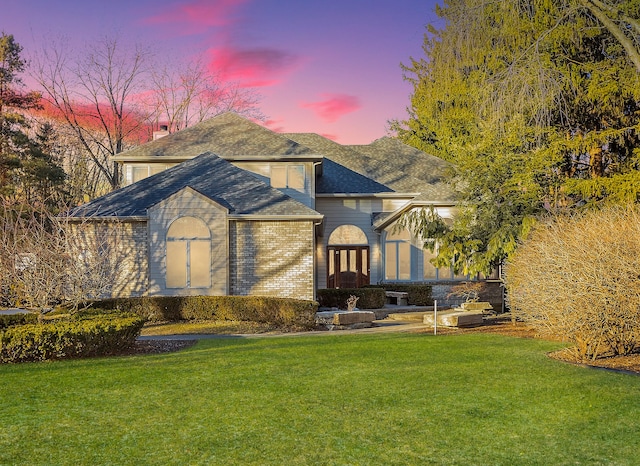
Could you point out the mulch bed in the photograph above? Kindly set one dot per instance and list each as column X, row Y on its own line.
column 504, row 326
column 158, row 346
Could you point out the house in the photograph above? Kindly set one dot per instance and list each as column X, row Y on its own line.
column 228, row 207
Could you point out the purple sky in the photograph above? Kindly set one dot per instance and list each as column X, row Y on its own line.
column 325, row 66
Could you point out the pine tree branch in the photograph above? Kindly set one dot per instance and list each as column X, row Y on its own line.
column 612, row 27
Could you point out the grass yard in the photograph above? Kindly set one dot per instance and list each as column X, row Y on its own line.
column 330, row 399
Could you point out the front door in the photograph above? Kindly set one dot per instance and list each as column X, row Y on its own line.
column 347, row 266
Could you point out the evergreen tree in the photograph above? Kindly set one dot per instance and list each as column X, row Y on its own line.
column 27, row 170
column 536, row 105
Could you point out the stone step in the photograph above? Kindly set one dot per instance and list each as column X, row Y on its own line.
column 345, row 318
column 455, row 318
column 407, row 316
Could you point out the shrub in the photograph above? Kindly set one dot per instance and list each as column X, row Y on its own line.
column 419, row 295
column 369, row 298
column 17, row 319
column 83, row 337
column 577, row 278
column 283, row 313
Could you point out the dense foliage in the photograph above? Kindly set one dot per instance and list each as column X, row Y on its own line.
column 71, row 338
column 577, row 278
column 281, row 312
column 418, row 295
column 537, row 105
column 8, row 320
column 29, row 169
column 368, row 298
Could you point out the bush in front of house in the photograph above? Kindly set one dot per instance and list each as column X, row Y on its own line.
column 283, row 313
column 9, row 320
column 75, row 337
column 369, row 298
column 576, row 278
column 419, row 295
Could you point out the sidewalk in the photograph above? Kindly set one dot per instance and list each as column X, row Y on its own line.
column 379, row 327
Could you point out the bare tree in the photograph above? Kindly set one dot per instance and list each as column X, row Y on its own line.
column 111, row 97
column 47, row 260
column 182, row 96
column 93, row 93
column 577, row 278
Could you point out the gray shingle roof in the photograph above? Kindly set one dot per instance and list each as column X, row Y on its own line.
column 213, row 177
column 386, row 165
column 227, row 134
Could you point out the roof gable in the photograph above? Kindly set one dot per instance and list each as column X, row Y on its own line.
column 229, row 186
column 187, row 193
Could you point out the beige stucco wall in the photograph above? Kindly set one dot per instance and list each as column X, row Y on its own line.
column 115, row 250
column 187, row 203
column 272, row 258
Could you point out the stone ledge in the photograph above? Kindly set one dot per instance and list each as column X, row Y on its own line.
column 455, row 318
column 345, row 318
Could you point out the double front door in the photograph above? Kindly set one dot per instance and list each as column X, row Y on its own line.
column 347, row 266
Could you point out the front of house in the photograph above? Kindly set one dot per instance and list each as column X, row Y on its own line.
column 228, row 207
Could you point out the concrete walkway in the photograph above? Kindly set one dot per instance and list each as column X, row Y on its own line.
column 380, row 326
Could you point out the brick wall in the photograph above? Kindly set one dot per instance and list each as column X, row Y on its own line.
column 115, row 251
column 272, row 258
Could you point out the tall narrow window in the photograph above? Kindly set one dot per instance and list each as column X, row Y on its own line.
column 188, row 254
column 397, row 264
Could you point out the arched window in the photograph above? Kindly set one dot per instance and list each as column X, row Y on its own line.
column 347, row 234
column 347, row 258
column 188, row 254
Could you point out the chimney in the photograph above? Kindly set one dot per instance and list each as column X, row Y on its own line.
column 164, row 131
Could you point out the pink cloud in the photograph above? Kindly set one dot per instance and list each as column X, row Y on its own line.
column 255, row 67
column 275, row 125
column 333, row 106
column 197, row 16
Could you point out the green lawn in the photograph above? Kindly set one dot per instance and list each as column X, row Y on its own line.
column 330, row 399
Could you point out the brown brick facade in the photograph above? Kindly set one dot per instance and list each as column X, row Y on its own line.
column 272, row 258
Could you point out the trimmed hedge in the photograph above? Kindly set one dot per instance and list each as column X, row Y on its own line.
column 419, row 295
column 280, row 312
column 9, row 320
column 96, row 335
column 370, row 298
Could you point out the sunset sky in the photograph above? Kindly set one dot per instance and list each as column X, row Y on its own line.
column 325, row 66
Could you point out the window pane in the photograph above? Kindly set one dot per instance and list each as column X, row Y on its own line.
column 139, row 173
column 278, row 176
column 430, row 271
column 365, row 262
column 348, row 234
column 390, row 261
column 200, row 264
column 343, row 260
column 188, row 228
column 296, row 176
column 352, row 260
column 399, row 235
column 176, row 264
column 155, row 168
column 404, row 263
column 331, row 258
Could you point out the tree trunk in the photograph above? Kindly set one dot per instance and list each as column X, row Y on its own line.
column 596, row 9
